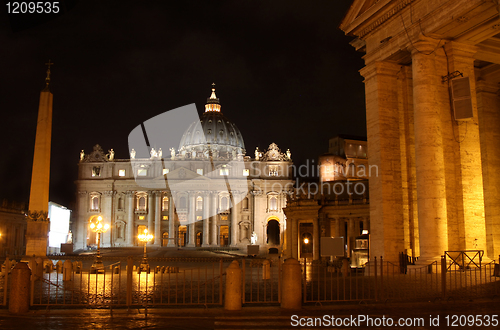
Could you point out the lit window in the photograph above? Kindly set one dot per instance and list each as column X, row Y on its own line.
column 199, row 203
column 94, row 203
column 273, row 203
column 224, row 171
column 164, row 204
column 141, row 203
column 141, row 217
column 223, row 217
column 121, row 172
column 142, row 172
column 199, row 171
column 165, row 217
column 198, row 217
column 165, row 171
column 223, row 203
column 96, row 171
column 246, row 172
column 273, row 170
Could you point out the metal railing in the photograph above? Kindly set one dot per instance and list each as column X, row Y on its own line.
column 261, row 280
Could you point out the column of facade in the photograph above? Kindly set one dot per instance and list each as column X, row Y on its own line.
column 206, row 219
column 429, row 156
column 334, row 227
column 151, row 212
column 234, row 223
column 288, row 233
column 460, row 58
column 130, row 218
column 382, row 123
column 158, row 236
column 106, row 208
column 192, row 219
column 295, row 238
column 214, row 198
column 171, row 223
column 80, row 237
column 316, row 239
column 351, row 235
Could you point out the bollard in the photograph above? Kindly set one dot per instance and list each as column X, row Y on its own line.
column 232, row 301
column 19, row 295
column 39, row 267
column 67, row 270
column 291, row 290
column 59, row 267
column 266, row 270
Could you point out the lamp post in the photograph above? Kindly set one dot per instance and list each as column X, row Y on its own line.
column 97, row 227
column 145, row 237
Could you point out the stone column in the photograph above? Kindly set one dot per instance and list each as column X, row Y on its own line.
column 382, row 123
column 206, row 219
column 107, row 214
column 316, row 239
column 130, row 217
column 488, row 104
column 80, row 237
column 215, row 239
column 288, row 233
column 171, row 223
column 158, row 236
column 234, row 223
column 192, row 219
column 295, row 238
column 334, row 227
column 429, row 157
column 351, row 234
column 470, row 177
column 151, row 212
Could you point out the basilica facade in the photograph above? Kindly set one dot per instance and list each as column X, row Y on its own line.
column 140, row 193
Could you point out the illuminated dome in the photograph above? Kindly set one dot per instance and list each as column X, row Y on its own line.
column 218, row 131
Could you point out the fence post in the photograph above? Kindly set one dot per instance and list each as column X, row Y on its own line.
column 130, row 266
column 19, row 293
column 266, row 270
column 67, row 270
column 304, row 281
column 382, row 277
column 232, row 300
column 443, row 276
column 243, row 280
column 291, row 288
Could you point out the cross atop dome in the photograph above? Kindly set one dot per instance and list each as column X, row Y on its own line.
column 213, row 104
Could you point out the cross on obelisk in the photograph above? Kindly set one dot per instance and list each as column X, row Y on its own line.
column 38, row 221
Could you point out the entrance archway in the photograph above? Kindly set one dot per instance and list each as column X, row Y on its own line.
column 273, row 232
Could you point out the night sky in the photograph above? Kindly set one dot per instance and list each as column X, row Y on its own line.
column 284, row 73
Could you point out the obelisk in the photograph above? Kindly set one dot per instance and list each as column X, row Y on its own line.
column 38, row 221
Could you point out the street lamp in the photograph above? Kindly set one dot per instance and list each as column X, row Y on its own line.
column 145, row 237
column 97, row 227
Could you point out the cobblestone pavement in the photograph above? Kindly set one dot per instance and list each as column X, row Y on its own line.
column 271, row 317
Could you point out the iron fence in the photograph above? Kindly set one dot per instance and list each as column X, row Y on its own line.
column 261, row 280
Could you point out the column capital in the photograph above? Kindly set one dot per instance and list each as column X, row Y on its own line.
column 129, row 193
column 483, row 86
column 82, row 193
column 380, row 68
column 109, row 193
column 457, row 49
column 424, row 45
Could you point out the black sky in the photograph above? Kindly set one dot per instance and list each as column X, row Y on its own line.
column 284, row 72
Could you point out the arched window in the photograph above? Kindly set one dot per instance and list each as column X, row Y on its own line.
column 223, row 203
column 199, row 203
column 94, row 203
column 273, row 203
column 244, row 203
column 164, row 204
column 141, row 201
